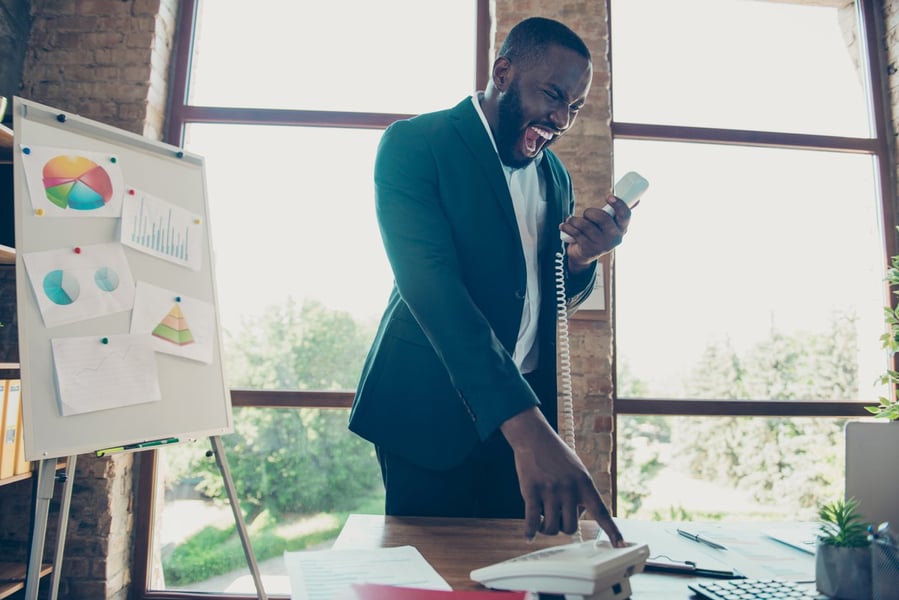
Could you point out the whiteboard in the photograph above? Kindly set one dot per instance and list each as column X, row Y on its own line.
column 192, row 400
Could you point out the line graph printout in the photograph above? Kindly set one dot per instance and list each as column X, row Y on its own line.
column 101, row 372
column 162, row 229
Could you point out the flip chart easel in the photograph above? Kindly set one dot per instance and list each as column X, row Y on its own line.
column 64, row 220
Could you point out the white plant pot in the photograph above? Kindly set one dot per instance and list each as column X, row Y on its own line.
column 843, row 573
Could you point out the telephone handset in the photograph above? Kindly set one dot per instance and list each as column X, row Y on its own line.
column 629, row 188
column 593, row 570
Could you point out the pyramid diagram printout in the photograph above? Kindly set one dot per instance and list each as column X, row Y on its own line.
column 178, row 324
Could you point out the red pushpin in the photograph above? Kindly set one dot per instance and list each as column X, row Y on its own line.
column 77, row 250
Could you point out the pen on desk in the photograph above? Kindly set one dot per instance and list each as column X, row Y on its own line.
column 690, row 568
column 697, row 538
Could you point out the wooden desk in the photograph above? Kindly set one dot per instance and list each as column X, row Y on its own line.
column 456, row 546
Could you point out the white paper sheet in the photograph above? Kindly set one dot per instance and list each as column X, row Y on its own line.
column 99, row 372
column 179, row 325
column 162, row 229
column 323, row 574
column 80, row 283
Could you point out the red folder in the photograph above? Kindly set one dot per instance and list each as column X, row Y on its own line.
column 377, row 591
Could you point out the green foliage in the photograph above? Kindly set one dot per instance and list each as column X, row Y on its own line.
column 298, row 348
column 217, row 550
column 841, row 525
column 639, row 439
column 779, row 461
column 888, row 408
column 294, row 460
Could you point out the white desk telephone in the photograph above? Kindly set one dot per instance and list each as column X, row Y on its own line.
column 593, row 570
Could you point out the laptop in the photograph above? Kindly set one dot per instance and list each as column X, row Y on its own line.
column 872, row 449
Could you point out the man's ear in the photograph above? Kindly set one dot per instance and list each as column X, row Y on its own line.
column 502, row 73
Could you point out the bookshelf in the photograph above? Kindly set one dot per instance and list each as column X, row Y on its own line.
column 12, row 577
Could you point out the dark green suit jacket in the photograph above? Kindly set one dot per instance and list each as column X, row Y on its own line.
column 440, row 377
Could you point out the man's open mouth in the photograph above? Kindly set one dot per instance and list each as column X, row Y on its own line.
column 534, row 138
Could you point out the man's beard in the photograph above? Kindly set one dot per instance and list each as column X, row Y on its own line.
column 510, row 119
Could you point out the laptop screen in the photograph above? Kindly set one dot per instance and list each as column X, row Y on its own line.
column 872, row 449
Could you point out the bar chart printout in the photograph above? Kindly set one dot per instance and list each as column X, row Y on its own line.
column 162, row 229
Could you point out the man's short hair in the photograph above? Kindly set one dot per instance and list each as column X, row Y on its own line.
column 529, row 40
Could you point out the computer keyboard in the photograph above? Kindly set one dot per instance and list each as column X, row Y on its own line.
column 752, row 589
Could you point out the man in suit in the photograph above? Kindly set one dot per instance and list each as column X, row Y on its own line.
column 458, row 392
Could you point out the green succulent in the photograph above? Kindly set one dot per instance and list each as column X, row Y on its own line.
column 842, row 525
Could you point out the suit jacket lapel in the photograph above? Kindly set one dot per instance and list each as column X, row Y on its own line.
column 471, row 129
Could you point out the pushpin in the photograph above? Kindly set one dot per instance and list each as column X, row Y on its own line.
column 197, row 221
column 26, row 150
column 39, row 212
column 179, row 154
column 177, row 298
column 104, row 340
column 61, row 118
column 77, row 250
column 112, row 159
column 131, row 191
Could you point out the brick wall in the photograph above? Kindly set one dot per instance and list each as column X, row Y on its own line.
column 106, row 60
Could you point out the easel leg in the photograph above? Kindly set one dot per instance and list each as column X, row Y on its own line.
column 46, row 477
column 222, row 462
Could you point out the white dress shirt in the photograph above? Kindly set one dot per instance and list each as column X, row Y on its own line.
column 528, row 192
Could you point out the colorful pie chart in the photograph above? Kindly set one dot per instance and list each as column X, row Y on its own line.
column 61, row 288
column 76, row 182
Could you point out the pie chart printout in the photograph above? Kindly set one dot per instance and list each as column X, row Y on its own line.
column 61, row 287
column 76, row 182
column 106, row 279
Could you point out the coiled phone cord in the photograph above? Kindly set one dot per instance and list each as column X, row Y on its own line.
column 567, row 412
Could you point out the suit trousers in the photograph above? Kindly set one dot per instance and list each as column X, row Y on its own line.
column 485, row 485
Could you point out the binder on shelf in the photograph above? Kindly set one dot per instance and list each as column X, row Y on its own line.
column 21, row 465
column 10, row 427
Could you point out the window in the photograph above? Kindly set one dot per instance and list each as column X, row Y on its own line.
column 287, row 103
column 749, row 293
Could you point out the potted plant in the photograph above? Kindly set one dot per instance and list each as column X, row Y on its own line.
column 843, row 554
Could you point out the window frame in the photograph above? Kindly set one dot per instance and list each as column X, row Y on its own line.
column 179, row 114
column 878, row 146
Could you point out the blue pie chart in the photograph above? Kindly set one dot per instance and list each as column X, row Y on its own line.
column 61, row 288
column 106, row 279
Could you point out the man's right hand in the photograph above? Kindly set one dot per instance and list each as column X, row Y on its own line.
column 554, row 482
